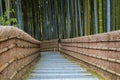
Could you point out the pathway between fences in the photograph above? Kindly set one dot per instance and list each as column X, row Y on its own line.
column 54, row 66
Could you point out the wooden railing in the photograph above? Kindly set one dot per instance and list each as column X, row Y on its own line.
column 18, row 53
column 99, row 52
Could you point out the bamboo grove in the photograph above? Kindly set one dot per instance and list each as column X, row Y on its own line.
column 53, row 19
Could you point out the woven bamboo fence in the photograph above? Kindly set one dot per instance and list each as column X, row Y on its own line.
column 99, row 52
column 49, row 45
column 18, row 53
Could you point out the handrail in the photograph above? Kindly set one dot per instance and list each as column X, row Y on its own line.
column 15, row 37
column 95, row 48
column 95, row 41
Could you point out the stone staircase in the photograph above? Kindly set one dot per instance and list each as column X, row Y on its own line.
column 53, row 66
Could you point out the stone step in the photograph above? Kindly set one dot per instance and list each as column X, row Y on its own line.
column 82, row 77
column 51, row 65
column 68, row 79
column 60, row 70
column 55, row 68
column 63, row 74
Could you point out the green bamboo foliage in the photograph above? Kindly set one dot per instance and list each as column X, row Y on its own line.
column 56, row 27
column 117, row 14
column 113, row 15
column 69, row 21
column 62, row 19
column 73, row 27
column 108, row 16
column 104, row 16
column 95, row 16
column 1, row 10
column 85, row 17
column 76, row 17
column 100, row 16
column 50, row 19
column 19, row 14
column 88, row 17
column 59, row 20
column 80, row 19
column 7, row 4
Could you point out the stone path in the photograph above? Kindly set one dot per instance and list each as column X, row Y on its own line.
column 53, row 66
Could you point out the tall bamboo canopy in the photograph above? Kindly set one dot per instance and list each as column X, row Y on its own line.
column 53, row 19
